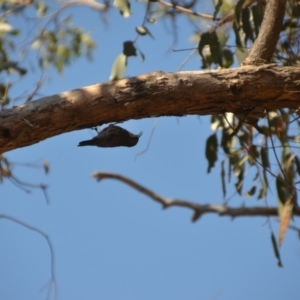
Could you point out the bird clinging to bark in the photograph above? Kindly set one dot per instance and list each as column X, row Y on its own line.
column 113, row 136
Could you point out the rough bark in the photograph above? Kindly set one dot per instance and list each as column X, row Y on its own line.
column 239, row 90
column 265, row 44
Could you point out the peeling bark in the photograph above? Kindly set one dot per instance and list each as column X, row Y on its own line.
column 261, row 88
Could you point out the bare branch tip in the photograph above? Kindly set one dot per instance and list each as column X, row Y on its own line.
column 197, row 215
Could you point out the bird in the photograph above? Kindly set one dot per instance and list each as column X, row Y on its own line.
column 113, row 136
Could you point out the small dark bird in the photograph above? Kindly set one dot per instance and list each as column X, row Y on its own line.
column 113, row 136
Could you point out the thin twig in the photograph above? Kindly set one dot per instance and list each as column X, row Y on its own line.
column 199, row 209
column 21, row 184
column 186, row 60
column 149, row 140
column 38, row 86
column 186, row 10
column 248, row 150
column 30, row 227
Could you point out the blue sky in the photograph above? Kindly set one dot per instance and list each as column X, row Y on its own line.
column 111, row 242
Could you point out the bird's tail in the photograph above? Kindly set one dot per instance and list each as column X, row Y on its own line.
column 86, row 143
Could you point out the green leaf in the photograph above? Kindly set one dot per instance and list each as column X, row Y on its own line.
column 64, row 52
column 251, row 192
column 238, row 11
column 142, row 55
column 296, row 10
column 124, row 7
column 211, row 151
column 5, row 28
column 119, row 67
column 223, row 179
column 12, row 66
column 143, row 30
column 41, row 8
column 253, row 155
column 247, row 28
column 59, row 65
column 239, row 169
column 297, row 163
column 214, row 122
column 236, row 30
column 261, row 194
column 36, row 44
column 211, row 39
column 204, row 41
column 264, row 157
column 239, row 183
column 264, row 154
column 284, row 192
column 217, row 8
column 285, row 218
column 222, row 35
column 258, row 14
column 256, row 176
column 241, row 54
column 289, row 24
column 4, row 91
column 227, row 141
column 228, row 58
column 276, row 250
column 230, row 165
column 215, row 49
column 151, row 20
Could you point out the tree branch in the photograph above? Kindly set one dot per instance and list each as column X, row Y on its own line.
column 238, row 90
column 198, row 209
column 93, row 4
column 52, row 281
column 265, row 44
column 186, row 10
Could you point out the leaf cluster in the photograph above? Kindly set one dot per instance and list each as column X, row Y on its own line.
column 56, row 40
column 267, row 152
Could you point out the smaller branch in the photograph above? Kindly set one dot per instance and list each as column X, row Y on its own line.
column 199, row 209
column 186, row 10
column 30, row 227
column 7, row 173
column 21, row 184
column 295, row 229
column 186, row 59
column 149, row 140
column 17, row 8
column 91, row 3
column 38, row 86
column 265, row 44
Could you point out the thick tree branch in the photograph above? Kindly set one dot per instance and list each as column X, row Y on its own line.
column 264, row 46
column 198, row 209
column 156, row 94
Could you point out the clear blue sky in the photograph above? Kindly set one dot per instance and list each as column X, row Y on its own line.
column 111, row 242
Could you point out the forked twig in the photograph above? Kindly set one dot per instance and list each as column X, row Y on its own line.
column 198, row 209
